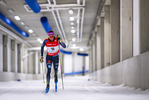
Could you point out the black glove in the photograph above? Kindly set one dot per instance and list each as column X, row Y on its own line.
column 58, row 38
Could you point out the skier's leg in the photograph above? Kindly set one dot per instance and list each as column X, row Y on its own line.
column 56, row 63
column 49, row 64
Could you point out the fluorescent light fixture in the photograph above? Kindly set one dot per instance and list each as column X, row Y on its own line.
column 72, row 27
column 30, row 31
column 73, row 39
column 71, row 12
column 73, row 31
column 17, row 17
column 81, row 49
column 72, row 23
column 39, row 40
column 22, row 23
column 71, row 18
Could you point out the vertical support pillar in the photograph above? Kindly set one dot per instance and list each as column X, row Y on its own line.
column 144, row 25
column 107, row 35
column 1, row 52
column 13, row 55
column 5, row 54
column 95, row 51
column 126, row 29
column 115, row 31
column 90, row 59
column 36, row 62
column 98, row 51
column 25, row 59
column 136, row 27
column 102, row 41
column 84, row 67
column 16, row 57
column 39, row 67
column 30, row 63
column 19, row 57
column 9, row 55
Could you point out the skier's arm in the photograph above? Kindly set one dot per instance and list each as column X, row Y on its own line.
column 42, row 48
column 60, row 42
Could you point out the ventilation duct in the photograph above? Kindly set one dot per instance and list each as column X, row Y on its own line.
column 45, row 24
column 7, row 21
column 82, row 54
column 65, row 52
column 33, row 4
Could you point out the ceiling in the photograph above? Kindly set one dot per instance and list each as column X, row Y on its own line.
column 32, row 20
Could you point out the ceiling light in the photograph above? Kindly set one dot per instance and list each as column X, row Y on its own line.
column 73, row 39
column 73, row 31
column 22, row 23
column 71, row 18
column 17, row 17
column 71, row 12
column 81, row 49
column 72, row 27
column 38, row 39
column 72, row 23
column 30, row 31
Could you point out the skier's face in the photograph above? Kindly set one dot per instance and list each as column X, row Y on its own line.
column 51, row 37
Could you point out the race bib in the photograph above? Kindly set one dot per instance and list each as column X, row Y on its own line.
column 52, row 49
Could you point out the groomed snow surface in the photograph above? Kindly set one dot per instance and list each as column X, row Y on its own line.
column 76, row 88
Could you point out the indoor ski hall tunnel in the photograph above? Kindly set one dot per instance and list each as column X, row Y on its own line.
column 74, row 49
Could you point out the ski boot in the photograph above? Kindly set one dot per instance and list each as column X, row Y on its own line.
column 56, row 86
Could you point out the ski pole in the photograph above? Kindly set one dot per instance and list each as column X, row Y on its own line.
column 61, row 72
column 43, row 73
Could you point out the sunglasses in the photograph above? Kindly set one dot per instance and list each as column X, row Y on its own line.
column 51, row 36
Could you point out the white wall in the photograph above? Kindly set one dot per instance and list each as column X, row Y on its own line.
column 87, row 63
column 67, row 63
column 78, row 63
column 75, row 61
column 136, row 27
column 1, row 52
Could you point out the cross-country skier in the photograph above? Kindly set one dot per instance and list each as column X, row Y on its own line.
column 52, row 44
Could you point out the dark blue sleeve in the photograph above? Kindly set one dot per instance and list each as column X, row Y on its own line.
column 62, row 44
column 42, row 48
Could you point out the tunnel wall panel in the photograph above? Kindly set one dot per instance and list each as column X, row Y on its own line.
column 116, row 76
column 145, row 70
column 132, row 72
column 11, row 76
